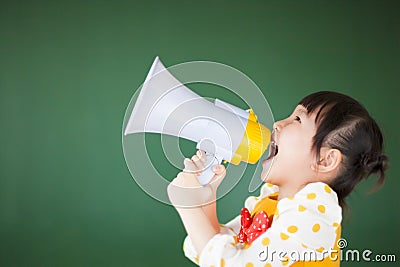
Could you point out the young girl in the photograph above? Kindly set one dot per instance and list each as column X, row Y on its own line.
column 323, row 150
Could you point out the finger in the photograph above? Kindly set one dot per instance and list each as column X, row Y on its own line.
column 202, row 155
column 218, row 169
column 189, row 165
column 198, row 163
column 220, row 173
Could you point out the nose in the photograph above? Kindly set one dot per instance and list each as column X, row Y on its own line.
column 278, row 125
column 275, row 126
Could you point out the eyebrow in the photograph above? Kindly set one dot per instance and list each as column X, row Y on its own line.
column 302, row 111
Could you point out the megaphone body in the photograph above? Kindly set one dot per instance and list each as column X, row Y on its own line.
column 222, row 130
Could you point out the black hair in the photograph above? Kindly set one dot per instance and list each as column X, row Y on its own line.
column 344, row 124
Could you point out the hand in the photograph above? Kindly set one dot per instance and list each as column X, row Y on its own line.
column 186, row 191
column 193, row 168
column 196, row 165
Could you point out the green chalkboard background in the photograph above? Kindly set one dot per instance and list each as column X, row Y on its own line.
column 69, row 68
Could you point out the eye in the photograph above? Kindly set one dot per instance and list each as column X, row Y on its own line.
column 297, row 118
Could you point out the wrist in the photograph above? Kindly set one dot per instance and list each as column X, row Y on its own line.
column 190, row 197
column 186, row 212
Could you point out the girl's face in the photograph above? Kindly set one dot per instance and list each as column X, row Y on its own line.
column 293, row 137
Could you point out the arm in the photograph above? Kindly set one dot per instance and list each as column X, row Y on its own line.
column 190, row 200
column 210, row 210
column 198, row 227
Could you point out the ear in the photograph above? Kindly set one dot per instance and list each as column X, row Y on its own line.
column 329, row 163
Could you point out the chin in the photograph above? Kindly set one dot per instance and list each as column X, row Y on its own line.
column 269, row 180
column 266, row 178
column 272, row 178
column 268, row 169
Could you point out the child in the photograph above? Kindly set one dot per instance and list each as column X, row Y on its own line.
column 323, row 150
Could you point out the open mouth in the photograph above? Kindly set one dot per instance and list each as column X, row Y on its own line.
column 273, row 147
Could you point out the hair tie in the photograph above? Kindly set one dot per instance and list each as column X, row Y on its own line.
column 379, row 162
column 382, row 161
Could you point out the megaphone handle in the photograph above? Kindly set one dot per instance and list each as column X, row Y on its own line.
column 207, row 173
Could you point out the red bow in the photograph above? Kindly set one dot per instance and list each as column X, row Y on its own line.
column 252, row 228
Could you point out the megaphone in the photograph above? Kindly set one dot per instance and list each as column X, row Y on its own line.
column 224, row 131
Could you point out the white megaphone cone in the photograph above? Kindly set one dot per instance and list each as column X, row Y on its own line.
column 223, row 131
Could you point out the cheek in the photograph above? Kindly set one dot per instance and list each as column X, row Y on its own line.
column 296, row 147
column 294, row 156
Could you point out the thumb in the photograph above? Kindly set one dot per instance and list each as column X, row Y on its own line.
column 220, row 173
column 218, row 169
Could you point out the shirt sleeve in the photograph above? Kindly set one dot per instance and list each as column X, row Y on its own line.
column 229, row 229
column 303, row 226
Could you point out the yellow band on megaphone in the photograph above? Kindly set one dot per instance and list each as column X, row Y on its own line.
column 254, row 142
